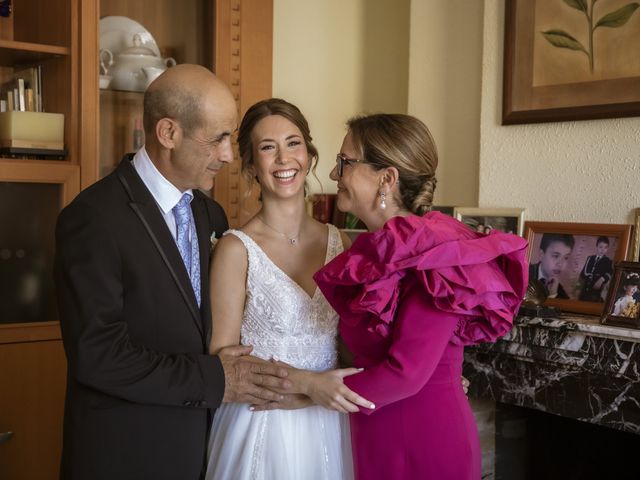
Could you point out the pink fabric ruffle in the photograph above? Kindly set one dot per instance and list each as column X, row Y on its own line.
column 482, row 278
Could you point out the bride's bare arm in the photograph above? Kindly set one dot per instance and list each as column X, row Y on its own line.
column 227, row 286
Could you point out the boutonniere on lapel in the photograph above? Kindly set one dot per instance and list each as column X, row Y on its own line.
column 213, row 240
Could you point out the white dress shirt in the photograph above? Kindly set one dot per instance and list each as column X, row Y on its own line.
column 163, row 191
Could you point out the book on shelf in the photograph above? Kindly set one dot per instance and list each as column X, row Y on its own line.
column 33, row 153
column 23, row 92
column 29, row 100
column 32, row 135
column 21, row 100
column 9, row 94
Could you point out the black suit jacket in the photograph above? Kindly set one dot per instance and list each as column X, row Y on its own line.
column 534, row 269
column 591, row 273
column 140, row 381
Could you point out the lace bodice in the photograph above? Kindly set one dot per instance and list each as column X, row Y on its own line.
column 281, row 319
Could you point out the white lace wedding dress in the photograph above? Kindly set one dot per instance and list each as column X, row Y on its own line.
column 280, row 319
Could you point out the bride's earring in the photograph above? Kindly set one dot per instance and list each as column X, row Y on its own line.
column 383, row 200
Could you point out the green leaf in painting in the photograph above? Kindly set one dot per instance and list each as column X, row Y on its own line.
column 619, row 17
column 577, row 4
column 561, row 39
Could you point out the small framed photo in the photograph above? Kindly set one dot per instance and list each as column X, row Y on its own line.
column 508, row 220
column 446, row 209
column 623, row 302
column 574, row 261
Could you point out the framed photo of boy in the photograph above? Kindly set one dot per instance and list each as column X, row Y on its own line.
column 570, row 60
column 508, row 220
column 623, row 302
column 574, row 261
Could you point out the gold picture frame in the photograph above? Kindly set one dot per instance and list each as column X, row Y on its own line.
column 554, row 60
column 634, row 251
column 623, row 301
column 508, row 220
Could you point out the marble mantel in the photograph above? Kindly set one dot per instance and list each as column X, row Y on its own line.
column 571, row 366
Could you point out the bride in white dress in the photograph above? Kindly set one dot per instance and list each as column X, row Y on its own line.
column 263, row 295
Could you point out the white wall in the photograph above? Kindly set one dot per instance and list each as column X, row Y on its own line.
column 586, row 171
column 333, row 65
column 337, row 58
column 445, row 71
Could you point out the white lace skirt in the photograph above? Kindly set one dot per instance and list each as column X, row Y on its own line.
column 311, row 443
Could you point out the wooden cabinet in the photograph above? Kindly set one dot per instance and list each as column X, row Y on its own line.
column 232, row 37
column 32, row 376
column 33, row 381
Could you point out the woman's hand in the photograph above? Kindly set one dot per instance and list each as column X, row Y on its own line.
column 328, row 390
column 465, row 385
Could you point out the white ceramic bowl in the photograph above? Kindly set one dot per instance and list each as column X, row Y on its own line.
column 105, row 81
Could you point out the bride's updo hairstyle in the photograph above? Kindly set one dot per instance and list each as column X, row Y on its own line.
column 404, row 142
column 266, row 108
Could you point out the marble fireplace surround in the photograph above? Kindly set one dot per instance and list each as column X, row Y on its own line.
column 570, row 366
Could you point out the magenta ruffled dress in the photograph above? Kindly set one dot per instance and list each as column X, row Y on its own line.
column 410, row 296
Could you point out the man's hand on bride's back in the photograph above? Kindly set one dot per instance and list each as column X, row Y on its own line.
column 249, row 379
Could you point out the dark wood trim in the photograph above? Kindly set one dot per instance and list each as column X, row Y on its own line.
column 30, row 332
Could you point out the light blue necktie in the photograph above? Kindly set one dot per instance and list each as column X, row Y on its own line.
column 188, row 244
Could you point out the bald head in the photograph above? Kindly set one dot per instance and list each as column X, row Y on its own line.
column 186, row 93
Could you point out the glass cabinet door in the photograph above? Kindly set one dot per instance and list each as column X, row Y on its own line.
column 137, row 40
column 28, row 212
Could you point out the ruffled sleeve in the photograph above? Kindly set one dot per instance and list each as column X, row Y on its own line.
column 482, row 278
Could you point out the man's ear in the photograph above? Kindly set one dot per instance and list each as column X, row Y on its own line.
column 168, row 133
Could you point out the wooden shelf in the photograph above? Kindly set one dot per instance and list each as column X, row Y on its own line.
column 16, row 53
column 123, row 93
column 32, row 332
column 43, row 171
column 31, row 163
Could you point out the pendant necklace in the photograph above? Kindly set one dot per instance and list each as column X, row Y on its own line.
column 293, row 241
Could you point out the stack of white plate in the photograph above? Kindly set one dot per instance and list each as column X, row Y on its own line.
column 116, row 35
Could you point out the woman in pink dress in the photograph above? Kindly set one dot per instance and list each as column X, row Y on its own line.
column 410, row 295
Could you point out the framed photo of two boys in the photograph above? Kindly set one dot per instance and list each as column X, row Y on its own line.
column 574, row 262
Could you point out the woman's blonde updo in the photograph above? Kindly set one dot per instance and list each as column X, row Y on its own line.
column 404, row 142
column 266, row 108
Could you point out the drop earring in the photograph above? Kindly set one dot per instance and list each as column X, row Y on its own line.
column 383, row 200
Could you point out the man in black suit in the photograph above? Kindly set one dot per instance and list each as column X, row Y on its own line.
column 555, row 250
column 134, row 298
column 596, row 273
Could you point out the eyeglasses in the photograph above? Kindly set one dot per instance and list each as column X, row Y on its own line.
column 341, row 161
